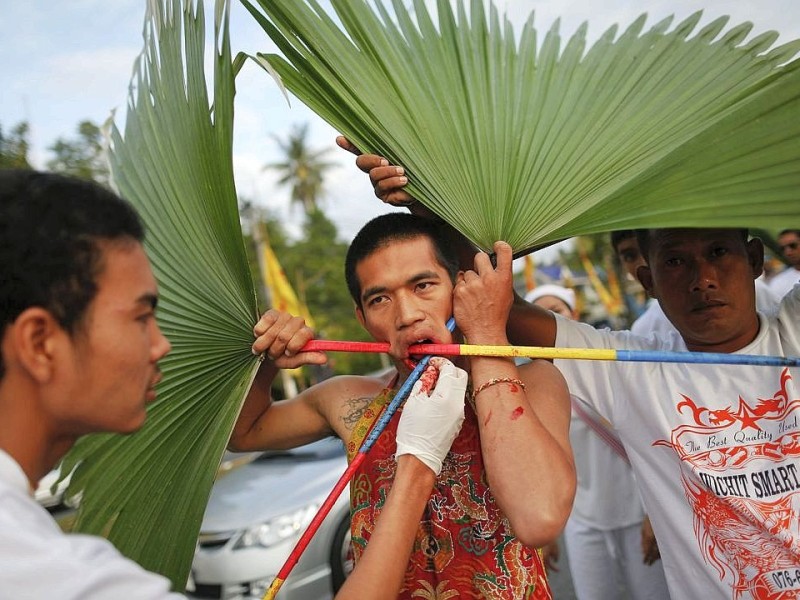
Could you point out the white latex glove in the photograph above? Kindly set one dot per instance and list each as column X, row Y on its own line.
column 430, row 423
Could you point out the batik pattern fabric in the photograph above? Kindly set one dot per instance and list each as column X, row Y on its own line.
column 464, row 547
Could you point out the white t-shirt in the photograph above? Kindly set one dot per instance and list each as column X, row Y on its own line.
column 716, row 453
column 607, row 496
column 784, row 281
column 38, row 560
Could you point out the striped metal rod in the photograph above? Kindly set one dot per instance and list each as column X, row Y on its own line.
column 716, row 358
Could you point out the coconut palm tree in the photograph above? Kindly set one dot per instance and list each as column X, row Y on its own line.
column 302, row 169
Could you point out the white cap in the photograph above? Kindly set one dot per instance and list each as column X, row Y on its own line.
column 564, row 294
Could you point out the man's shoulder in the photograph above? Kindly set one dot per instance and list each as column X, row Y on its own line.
column 345, row 398
column 783, row 282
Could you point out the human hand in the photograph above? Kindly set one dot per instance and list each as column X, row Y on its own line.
column 431, row 419
column 482, row 298
column 550, row 555
column 387, row 180
column 650, row 550
column 280, row 336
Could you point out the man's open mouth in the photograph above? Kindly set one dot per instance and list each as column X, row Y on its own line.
column 420, row 341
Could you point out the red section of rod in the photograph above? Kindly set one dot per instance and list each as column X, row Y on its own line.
column 435, row 349
column 416, row 350
column 337, row 346
column 323, row 511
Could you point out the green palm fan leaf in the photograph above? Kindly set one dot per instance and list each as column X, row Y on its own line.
column 147, row 492
column 530, row 142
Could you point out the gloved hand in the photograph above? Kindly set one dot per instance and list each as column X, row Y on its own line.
column 431, row 421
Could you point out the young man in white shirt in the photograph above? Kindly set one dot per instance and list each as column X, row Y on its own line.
column 609, row 541
column 80, row 352
column 711, row 446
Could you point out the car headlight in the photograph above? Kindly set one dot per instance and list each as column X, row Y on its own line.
column 278, row 529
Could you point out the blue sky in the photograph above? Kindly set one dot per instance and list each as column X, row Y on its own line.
column 66, row 61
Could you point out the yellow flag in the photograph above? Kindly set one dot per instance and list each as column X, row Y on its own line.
column 280, row 290
column 612, row 305
column 530, row 273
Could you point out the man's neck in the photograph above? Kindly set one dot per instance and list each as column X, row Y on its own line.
column 26, row 438
column 727, row 346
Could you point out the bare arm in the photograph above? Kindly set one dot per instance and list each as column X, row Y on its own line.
column 530, row 325
column 524, row 432
column 385, row 560
column 263, row 425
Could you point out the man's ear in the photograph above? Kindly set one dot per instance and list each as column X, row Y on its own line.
column 645, row 277
column 34, row 338
column 755, row 256
column 360, row 316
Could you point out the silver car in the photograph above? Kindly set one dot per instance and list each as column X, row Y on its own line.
column 256, row 514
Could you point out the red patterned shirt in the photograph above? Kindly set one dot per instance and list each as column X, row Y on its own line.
column 464, row 546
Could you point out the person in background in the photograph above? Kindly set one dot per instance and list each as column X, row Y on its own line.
column 80, row 352
column 653, row 320
column 608, row 538
column 783, row 281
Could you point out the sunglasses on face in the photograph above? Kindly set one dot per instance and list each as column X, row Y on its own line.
column 790, row 246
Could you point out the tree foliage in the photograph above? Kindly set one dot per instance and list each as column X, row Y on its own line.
column 302, row 169
column 83, row 156
column 14, row 147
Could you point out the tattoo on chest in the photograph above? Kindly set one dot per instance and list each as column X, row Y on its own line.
column 353, row 411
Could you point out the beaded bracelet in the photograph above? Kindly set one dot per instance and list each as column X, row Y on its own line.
column 495, row 381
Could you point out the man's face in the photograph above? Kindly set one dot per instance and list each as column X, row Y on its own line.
column 790, row 248
column 111, row 368
column 630, row 256
column 703, row 279
column 406, row 295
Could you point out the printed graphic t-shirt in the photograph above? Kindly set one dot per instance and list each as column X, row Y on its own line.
column 716, row 452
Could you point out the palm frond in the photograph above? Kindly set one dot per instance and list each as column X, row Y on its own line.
column 147, row 492
column 531, row 142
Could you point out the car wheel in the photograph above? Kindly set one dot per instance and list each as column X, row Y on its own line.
column 341, row 554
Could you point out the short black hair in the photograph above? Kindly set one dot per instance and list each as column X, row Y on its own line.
column 794, row 231
column 396, row 226
column 643, row 237
column 621, row 235
column 50, row 229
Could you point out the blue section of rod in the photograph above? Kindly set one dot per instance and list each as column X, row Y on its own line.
column 713, row 358
column 399, row 397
